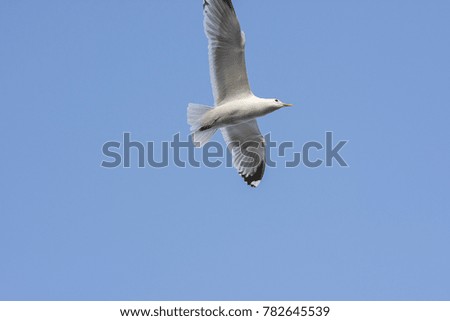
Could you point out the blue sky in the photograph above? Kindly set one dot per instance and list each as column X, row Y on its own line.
column 76, row 74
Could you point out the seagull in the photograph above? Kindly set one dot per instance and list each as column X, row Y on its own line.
column 236, row 107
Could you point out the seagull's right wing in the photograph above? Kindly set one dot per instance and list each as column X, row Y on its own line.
column 226, row 51
column 248, row 149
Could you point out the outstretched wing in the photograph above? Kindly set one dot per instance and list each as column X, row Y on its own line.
column 248, row 149
column 226, row 51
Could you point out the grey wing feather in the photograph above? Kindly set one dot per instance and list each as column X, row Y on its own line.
column 226, row 51
column 247, row 147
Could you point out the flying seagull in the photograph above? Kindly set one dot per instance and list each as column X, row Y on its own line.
column 236, row 108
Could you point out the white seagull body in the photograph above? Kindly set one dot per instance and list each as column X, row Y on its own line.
column 236, row 108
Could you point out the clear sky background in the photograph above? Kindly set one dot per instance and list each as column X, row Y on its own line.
column 76, row 74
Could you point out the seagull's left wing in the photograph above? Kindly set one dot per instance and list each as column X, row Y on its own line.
column 226, row 51
column 248, row 149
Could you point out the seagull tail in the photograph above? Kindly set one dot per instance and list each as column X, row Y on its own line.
column 201, row 135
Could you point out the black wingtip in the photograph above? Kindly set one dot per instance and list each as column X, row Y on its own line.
column 227, row 2
column 254, row 179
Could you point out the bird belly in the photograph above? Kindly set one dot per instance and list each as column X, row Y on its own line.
column 228, row 116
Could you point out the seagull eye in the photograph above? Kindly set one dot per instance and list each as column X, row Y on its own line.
column 276, row 100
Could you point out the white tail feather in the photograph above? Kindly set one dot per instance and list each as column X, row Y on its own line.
column 195, row 114
column 200, row 138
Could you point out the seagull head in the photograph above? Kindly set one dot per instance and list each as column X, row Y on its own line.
column 279, row 104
